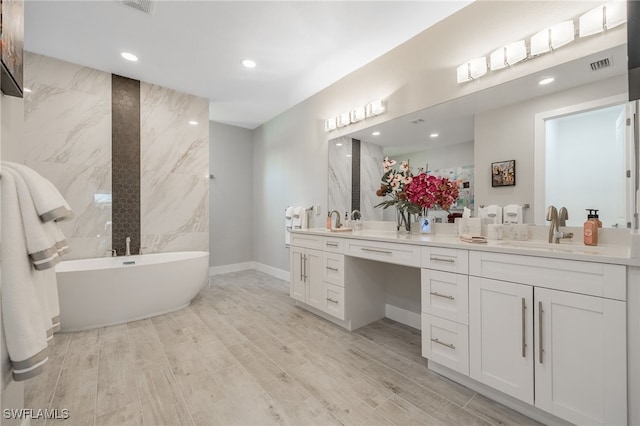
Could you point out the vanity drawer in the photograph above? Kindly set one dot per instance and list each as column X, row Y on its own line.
column 334, row 300
column 445, row 342
column 335, row 245
column 402, row 254
column 307, row 241
column 446, row 295
column 333, row 268
column 445, row 259
column 590, row 278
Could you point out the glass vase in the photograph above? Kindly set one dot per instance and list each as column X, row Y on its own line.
column 403, row 221
column 426, row 226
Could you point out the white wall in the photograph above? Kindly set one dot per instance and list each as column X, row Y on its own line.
column 582, row 148
column 231, row 194
column 508, row 134
column 441, row 157
column 290, row 154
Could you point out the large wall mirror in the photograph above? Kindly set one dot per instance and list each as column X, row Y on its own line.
column 499, row 124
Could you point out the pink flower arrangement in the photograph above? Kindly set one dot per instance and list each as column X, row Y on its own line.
column 429, row 191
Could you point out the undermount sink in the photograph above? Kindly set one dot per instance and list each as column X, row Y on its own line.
column 566, row 248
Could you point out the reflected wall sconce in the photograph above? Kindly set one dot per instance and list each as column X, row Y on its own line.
column 355, row 115
column 602, row 18
column 473, row 69
column 597, row 20
column 508, row 55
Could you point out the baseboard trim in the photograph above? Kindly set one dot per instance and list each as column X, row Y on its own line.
column 270, row 270
column 237, row 267
column 403, row 316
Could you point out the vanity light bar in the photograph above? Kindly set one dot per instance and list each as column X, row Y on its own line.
column 356, row 114
column 597, row 20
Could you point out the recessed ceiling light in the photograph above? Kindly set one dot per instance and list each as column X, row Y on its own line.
column 248, row 63
column 433, row 135
column 348, row 155
column 546, row 81
column 339, row 144
column 129, row 56
column 193, row 123
column 375, row 134
column 27, row 90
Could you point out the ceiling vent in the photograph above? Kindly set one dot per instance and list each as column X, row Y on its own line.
column 598, row 65
column 417, row 121
column 145, row 6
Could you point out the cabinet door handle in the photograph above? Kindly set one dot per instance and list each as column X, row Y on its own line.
column 540, row 350
column 449, row 345
column 332, row 269
column 376, row 250
column 305, row 268
column 524, row 318
column 435, row 293
column 301, row 270
column 332, row 244
column 331, row 300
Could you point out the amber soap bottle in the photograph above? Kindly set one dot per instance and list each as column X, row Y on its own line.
column 590, row 228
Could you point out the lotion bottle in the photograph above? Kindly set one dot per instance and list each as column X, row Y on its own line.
column 328, row 220
column 347, row 221
column 590, row 229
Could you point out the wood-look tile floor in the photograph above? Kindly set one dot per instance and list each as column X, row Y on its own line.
column 243, row 354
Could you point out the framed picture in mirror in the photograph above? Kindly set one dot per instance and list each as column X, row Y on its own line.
column 503, row 173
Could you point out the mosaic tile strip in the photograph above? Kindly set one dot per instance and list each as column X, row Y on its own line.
column 355, row 175
column 125, row 149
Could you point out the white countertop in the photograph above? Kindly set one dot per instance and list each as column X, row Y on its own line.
column 620, row 255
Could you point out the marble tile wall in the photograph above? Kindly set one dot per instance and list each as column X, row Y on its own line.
column 370, row 173
column 174, row 181
column 340, row 175
column 68, row 140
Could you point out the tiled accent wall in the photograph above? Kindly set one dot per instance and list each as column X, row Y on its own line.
column 67, row 137
column 339, row 175
column 370, row 173
column 174, row 183
column 125, row 151
column 355, row 175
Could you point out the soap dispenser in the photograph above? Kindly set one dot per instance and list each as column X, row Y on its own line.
column 329, row 220
column 590, row 228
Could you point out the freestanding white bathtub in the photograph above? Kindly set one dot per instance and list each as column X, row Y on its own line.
column 113, row 290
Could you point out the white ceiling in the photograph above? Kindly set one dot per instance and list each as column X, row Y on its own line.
column 196, row 47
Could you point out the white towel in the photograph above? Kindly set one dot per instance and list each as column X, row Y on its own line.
column 22, row 314
column 513, row 214
column 48, row 201
column 45, row 242
column 288, row 219
column 298, row 213
column 30, row 307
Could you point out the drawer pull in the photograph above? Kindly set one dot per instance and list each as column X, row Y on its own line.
column 332, row 269
column 376, row 250
column 435, row 293
column 442, row 259
column 332, row 244
column 332, row 300
column 449, row 345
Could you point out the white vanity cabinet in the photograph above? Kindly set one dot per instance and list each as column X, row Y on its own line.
column 562, row 351
column 445, row 319
column 317, row 273
column 307, row 284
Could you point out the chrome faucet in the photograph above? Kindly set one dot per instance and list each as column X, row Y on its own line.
column 556, row 221
column 356, row 215
column 338, row 224
column 128, row 247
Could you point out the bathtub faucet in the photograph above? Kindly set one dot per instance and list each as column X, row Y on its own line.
column 128, row 248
